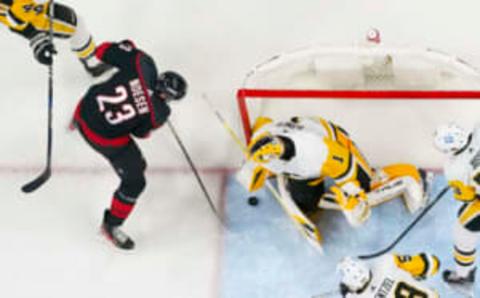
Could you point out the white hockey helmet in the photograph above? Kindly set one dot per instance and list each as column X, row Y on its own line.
column 355, row 274
column 450, row 138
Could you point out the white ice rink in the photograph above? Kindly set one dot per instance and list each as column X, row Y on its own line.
column 50, row 247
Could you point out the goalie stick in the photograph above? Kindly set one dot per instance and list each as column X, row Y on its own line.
column 194, row 170
column 306, row 227
column 439, row 196
column 47, row 172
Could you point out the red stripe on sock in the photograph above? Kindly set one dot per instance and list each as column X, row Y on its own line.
column 120, row 209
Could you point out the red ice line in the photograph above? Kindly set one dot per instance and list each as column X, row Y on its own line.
column 74, row 170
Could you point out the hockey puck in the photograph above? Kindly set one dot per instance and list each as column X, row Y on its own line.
column 253, row 201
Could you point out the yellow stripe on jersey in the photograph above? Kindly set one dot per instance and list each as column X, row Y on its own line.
column 344, row 156
column 470, row 212
column 344, row 139
column 338, row 134
column 60, row 27
column 338, row 163
column 328, row 129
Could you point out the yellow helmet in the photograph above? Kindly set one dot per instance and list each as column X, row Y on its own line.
column 264, row 148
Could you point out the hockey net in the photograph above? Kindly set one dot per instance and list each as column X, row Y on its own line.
column 389, row 99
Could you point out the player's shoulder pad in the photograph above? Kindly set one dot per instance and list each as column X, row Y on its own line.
column 125, row 46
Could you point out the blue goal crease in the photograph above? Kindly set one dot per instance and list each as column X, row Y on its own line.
column 265, row 256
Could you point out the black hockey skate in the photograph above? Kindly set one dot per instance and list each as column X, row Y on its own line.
column 462, row 285
column 115, row 235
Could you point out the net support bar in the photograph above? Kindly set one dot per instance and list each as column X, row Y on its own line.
column 406, row 95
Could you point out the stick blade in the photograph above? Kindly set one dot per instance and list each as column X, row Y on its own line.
column 37, row 182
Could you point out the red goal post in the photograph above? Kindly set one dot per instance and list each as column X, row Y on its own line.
column 245, row 94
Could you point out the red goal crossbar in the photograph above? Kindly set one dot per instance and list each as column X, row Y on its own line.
column 243, row 94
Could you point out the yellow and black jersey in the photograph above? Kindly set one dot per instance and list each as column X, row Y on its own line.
column 317, row 149
column 345, row 163
column 27, row 17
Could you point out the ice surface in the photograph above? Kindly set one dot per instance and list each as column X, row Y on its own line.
column 265, row 256
column 51, row 246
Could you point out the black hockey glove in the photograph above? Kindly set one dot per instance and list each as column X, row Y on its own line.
column 43, row 48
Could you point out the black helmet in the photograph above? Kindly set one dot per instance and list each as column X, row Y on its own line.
column 171, row 85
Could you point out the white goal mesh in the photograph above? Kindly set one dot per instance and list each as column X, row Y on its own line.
column 389, row 99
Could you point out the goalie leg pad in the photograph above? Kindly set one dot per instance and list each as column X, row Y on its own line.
column 405, row 186
column 400, row 170
column 395, row 171
column 309, row 230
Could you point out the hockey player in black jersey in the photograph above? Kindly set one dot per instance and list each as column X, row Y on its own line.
column 30, row 18
column 134, row 101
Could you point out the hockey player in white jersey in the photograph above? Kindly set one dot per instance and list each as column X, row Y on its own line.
column 389, row 276
column 319, row 166
column 462, row 171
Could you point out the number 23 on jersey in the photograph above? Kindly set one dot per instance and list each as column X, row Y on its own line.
column 124, row 111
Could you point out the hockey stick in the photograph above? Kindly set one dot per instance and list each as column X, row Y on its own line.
column 47, row 172
column 301, row 222
column 439, row 196
column 194, row 170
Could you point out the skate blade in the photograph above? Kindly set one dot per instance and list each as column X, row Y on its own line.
column 110, row 247
column 465, row 291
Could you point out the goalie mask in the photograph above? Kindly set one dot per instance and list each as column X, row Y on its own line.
column 265, row 148
column 450, row 138
column 355, row 275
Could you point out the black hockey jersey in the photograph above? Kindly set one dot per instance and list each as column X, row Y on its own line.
column 126, row 103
